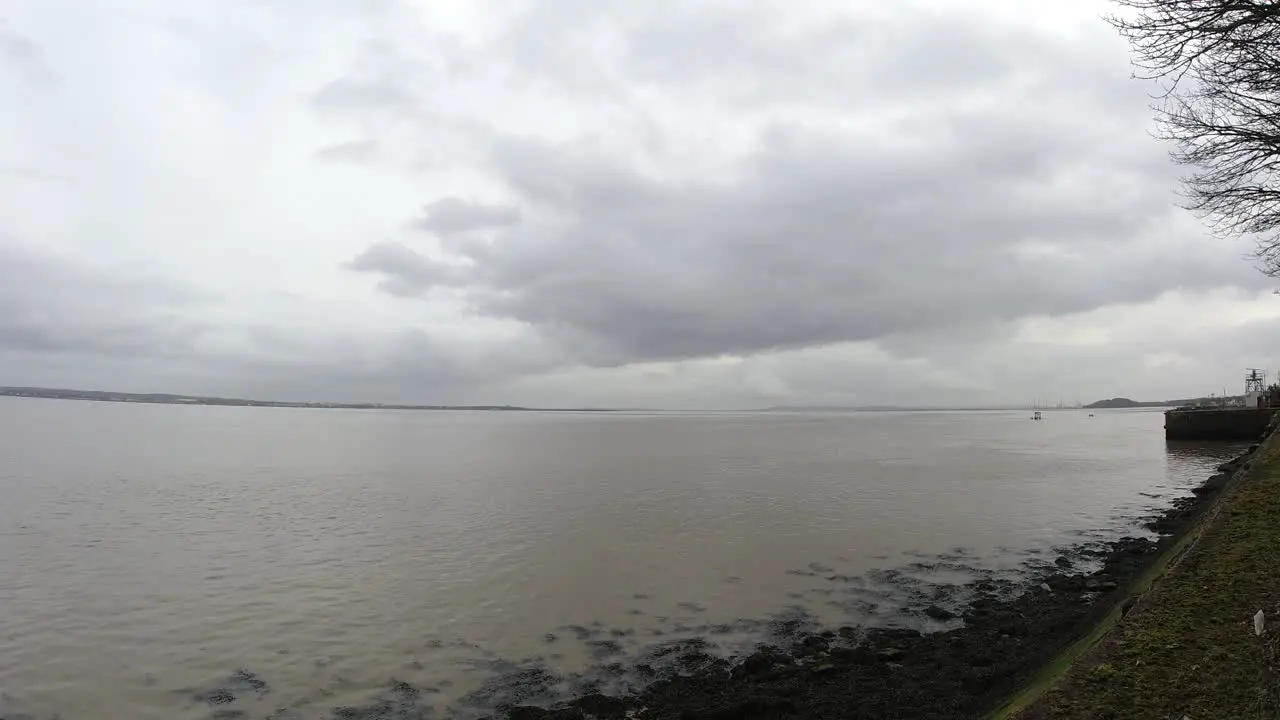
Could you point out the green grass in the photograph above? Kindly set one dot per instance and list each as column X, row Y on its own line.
column 1188, row 648
column 1054, row 671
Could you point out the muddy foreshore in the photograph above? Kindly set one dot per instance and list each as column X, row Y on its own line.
column 1009, row 630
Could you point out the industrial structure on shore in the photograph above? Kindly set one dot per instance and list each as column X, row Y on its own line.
column 1244, row 418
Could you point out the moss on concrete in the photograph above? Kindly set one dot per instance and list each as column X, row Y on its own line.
column 1188, row 647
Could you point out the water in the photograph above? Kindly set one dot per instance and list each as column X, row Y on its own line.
column 148, row 551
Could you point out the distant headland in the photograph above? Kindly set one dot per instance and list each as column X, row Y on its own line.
column 1123, row 402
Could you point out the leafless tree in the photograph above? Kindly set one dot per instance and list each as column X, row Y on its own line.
column 1218, row 62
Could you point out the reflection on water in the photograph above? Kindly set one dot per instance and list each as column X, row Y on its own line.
column 1182, row 451
column 151, row 551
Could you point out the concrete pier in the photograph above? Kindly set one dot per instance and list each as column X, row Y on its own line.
column 1233, row 424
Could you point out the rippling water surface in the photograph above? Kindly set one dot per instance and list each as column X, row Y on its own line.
column 150, row 551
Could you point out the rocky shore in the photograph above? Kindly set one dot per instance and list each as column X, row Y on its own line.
column 1003, row 634
column 1202, row 642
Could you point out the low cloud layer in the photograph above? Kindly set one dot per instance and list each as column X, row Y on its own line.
column 720, row 205
column 451, row 216
column 814, row 240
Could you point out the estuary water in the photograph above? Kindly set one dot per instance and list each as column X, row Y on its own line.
column 150, row 552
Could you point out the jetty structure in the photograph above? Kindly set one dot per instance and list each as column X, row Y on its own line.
column 1243, row 420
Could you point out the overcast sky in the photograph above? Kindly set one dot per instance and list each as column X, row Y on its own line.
column 720, row 204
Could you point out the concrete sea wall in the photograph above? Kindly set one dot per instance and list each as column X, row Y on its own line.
column 1237, row 424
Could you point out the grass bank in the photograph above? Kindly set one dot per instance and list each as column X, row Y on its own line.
column 1187, row 646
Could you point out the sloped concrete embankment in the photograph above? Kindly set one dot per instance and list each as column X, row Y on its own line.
column 1185, row 645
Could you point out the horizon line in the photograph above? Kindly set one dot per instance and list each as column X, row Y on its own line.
column 63, row 393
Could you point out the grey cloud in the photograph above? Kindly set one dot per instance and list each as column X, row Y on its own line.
column 27, row 57
column 410, row 360
column 122, row 338
column 65, row 323
column 451, row 215
column 405, row 271
column 30, row 174
column 975, row 210
column 622, row 182
column 19, row 50
column 754, row 54
column 403, row 365
column 410, row 367
column 353, row 151
column 54, row 306
column 354, row 93
column 759, row 54
column 816, row 242
column 820, row 239
column 384, row 79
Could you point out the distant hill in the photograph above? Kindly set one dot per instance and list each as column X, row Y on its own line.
column 1121, row 402
column 1108, row 404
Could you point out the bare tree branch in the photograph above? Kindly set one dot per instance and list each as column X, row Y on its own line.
column 1219, row 65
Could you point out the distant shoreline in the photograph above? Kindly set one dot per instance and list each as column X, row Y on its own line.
column 170, row 399
column 903, row 408
column 175, row 399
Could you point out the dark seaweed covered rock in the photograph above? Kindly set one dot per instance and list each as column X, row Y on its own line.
column 1009, row 630
column 939, row 613
column 763, row 660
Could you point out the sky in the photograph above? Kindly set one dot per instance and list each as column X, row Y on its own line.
column 723, row 204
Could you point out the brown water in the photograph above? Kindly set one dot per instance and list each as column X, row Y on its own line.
column 147, row 551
